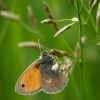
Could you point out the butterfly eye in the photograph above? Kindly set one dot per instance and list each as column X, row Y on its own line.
column 23, row 85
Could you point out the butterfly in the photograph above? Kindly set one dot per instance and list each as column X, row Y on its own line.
column 43, row 74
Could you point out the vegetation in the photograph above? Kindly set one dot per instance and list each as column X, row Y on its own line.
column 72, row 26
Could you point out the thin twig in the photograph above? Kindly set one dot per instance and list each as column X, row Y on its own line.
column 71, row 51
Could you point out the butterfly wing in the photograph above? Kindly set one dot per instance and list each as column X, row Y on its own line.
column 52, row 81
column 29, row 81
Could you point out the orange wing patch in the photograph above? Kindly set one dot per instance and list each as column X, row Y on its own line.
column 29, row 82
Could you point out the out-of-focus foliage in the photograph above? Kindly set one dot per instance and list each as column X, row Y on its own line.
column 14, row 60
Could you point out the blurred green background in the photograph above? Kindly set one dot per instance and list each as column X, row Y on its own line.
column 14, row 60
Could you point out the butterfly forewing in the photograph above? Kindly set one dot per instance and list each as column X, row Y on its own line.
column 29, row 81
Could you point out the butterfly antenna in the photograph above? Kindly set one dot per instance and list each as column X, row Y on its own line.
column 39, row 46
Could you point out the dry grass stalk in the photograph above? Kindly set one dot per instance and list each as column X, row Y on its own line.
column 47, row 21
column 31, row 16
column 90, row 3
column 94, row 5
column 74, row 19
column 50, row 15
column 98, row 16
column 10, row 16
column 77, row 48
column 98, row 44
column 59, row 53
column 63, row 29
column 83, row 39
column 30, row 44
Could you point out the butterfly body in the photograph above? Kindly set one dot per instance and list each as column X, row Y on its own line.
column 43, row 74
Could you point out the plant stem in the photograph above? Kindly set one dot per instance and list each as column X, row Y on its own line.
column 80, row 34
column 67, row 46
column 81, row 6
column 27, row 27
column 93, row 23
column 84, row 6
column 89, row 16
column 80, row 56
column 63, row 20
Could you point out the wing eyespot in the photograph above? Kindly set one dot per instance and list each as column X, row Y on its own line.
column 23, row 85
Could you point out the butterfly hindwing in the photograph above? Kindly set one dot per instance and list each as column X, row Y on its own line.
column 52, row 81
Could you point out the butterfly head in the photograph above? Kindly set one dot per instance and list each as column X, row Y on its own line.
column 46, row 57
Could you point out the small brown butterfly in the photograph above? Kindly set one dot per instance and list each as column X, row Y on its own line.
column 43, row 74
